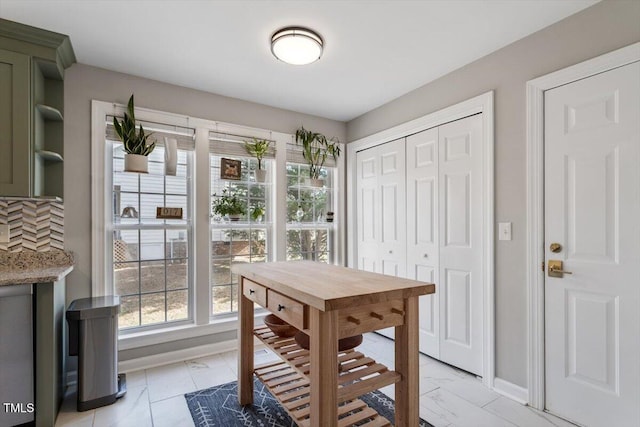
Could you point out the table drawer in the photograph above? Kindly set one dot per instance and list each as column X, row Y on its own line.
column 289, row 310
column 254, row 292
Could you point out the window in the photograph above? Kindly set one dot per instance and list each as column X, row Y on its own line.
column 243, row 241
column 177, row 272
column 309, row 234
column 149, row 261
column 151, row 257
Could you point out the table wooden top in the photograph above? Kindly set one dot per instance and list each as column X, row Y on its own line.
column 330, row 287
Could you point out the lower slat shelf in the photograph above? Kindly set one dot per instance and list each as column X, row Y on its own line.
column 289, row 381
column 293, row 391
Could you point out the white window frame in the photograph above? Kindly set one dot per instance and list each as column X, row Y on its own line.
column 201, row 323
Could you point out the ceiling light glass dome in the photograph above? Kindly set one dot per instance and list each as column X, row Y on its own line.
column 296, row 45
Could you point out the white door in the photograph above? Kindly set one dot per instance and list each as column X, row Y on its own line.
column 460, row 285
column 422, row 231
column 592, row 209
column 392, row 187
column 367, row 205
column 381, row 206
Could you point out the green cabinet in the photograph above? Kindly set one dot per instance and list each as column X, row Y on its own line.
column 32, row 64
column 15, row 150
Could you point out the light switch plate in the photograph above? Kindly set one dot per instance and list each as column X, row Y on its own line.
column 4, row 233
column 504, row 231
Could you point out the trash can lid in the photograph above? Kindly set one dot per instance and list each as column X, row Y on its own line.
column 91, row 308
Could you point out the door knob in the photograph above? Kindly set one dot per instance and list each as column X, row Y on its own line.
column 555, row 269
column 555, row 247
column 390, row 252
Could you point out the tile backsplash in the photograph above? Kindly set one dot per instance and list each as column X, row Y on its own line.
column 34, row 224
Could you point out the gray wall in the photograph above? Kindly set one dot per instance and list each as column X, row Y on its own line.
column 599, row 29
column 84, row 83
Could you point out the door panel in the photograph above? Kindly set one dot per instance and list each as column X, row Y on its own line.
column 591, row 180
column 588, row 360
column 423, row 213
column 592, row 208
column 457, row 213
column 457, row 294
column 381, row 206
column 390, row 214
column 460, row 264
column 367, row 207
column 422, row 231
column 368, row 224
column 392, row 187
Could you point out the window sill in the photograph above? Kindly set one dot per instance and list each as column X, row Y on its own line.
column 176, row 333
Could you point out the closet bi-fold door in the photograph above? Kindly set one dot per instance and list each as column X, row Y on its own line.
column 381, row 207
column 460, row 281
column 393, row 225
column 422, row 231
column 367, row 207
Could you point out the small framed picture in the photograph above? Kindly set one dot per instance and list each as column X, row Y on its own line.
column 230, row 169
column 168, row 213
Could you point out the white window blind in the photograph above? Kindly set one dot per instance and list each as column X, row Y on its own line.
column 294, row 155
column 184, row 135
column 230, row 144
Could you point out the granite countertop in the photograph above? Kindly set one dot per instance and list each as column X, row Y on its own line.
column 18, row 268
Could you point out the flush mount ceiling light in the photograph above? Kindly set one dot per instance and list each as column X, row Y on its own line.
column 296, row 45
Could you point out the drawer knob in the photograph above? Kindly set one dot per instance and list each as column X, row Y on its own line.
column 280, row 307
column 251, row 291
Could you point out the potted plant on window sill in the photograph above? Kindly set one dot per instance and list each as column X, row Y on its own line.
column 258, row 148
column 136, row 144
column 315, row 149
column 257, row 213
column 228, row 205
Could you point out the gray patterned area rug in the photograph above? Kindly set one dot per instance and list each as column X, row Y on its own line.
column 218, row 406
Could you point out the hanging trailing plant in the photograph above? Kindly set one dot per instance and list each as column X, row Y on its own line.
column 315, row 149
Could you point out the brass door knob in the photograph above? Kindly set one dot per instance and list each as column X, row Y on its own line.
column 555, row 248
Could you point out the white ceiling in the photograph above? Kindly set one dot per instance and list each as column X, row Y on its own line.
column 375, row 51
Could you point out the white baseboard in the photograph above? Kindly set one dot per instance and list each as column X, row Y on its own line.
column 176, row 356
column 510, row 390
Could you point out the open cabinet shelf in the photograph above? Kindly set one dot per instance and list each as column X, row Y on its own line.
column 288, row 381
column 49, row 113
column 50, row 156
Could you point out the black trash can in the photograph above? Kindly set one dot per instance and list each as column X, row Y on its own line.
column 93, row 337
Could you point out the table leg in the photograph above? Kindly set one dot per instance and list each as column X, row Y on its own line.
column 407, row 365
column 324, row 367
column 245, row 348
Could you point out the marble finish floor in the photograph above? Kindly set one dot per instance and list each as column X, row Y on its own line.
column 448, row 396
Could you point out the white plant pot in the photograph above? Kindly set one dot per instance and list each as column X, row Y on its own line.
column 261, row 175
column 235, row 217
column 136, row 163
column 170, row 156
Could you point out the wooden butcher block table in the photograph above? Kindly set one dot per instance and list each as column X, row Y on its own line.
column 319, row 386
